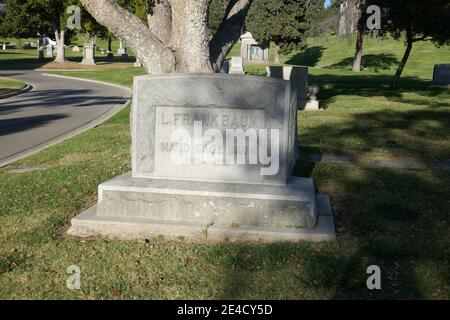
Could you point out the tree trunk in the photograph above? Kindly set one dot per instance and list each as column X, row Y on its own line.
column 109, row 44
column 358, row 51
column 41, row 49
column 398, row 74
column 277, row 55
column 60, row 50
column 229, row 32
column 190, row 40
column 175, row 38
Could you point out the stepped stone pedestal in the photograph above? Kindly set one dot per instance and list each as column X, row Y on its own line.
column 212, row 156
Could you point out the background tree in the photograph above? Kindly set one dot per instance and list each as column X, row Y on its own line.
column 282, row 22
column 90, row 28
column 316, row 12
column 28, row 18
column 24, row 19
column 360, row 31
column 217, row 10
column 418, row 20
column 176, row 37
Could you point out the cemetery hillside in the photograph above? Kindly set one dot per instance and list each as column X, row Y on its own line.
column 87, row 144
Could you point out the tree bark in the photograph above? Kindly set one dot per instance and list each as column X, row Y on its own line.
column 277, row 55
column 190, row 39
column 176, row 38
column 60, row 50
column 398, row 74
column 109, row 44
column 360, row 27
column 358, row 51
column 160, row 21
column 229, row 32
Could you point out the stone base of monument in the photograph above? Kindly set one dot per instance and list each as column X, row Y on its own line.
column 130, row 209
column 312, row 105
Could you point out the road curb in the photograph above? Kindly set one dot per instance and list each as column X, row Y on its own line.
column 26, row 89
column 64, row 70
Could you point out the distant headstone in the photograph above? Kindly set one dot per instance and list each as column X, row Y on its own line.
column 441, row 74
column 212, row 157
column 298, row 76
column 313, row 103
column 110, row 57
column 236, row 66
column 138, row 63
column 4, row 46
column 76, row 49
column 88, row 54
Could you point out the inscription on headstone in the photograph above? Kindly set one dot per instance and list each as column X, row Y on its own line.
column 205, row 142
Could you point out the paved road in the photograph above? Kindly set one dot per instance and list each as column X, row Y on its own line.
column 56, row 108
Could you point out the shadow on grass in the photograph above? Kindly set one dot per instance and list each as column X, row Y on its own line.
column 27, row 63
column 406, row 132
column 23, row 63
column 309, row 57
column 383, row 61
column 332, row 85
column 394, row 219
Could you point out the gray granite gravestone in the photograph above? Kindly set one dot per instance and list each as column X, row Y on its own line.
column 110, row 57
column 212, row 156
column 298, row 76
column 236, row 66
column 441, row 74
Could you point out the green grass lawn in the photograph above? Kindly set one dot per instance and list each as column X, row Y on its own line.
column 27, row 58
column 396, row 219
column 10, row 85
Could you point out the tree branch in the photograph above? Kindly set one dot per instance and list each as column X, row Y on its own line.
column 160, row 21
column 154, row 55
column 229, row 32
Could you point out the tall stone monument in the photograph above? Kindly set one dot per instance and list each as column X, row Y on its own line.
column 212, row 156
column 88, row 54
column 252, row 51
